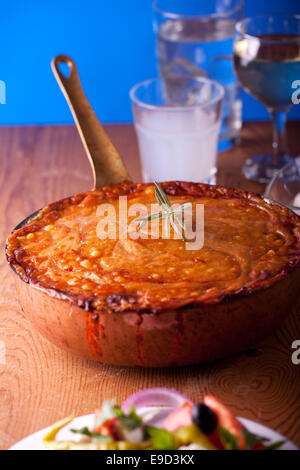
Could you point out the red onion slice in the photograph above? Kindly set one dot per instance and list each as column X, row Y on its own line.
column 154, row 404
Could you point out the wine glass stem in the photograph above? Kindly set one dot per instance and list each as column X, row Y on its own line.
column 278, row 122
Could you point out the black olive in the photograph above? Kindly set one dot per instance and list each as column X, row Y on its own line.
column 204, row 418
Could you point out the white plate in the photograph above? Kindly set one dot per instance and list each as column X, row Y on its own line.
column 34, row 441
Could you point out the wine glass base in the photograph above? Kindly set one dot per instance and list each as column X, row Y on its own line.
column 262, row 167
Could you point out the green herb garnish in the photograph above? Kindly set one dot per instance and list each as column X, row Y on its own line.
column 273, row 446
column 130, row 421
column 229, row 440
column 170, row 215
column 161, row 439
column 86, row 432
column 251, row 439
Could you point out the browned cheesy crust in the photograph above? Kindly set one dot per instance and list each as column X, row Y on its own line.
column 248, row 245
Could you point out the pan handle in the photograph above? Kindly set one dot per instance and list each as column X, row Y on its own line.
column 107, row 165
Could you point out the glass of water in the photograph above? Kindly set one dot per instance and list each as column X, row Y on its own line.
column 195, row 37
column 178, row 124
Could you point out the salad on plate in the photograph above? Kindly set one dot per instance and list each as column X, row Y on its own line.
column 160, row 419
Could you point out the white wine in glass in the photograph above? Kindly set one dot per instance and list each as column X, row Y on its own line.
column 267, row 62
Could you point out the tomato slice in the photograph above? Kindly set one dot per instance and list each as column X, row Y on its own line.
column 179, row 418
column 108, row 428
column 226, row 419
column 182, row 417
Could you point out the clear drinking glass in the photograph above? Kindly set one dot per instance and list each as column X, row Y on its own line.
column 195, row 37
column 284, row 187
column 178, row 125
column 267, row 61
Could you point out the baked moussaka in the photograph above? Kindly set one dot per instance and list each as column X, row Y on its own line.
column 150, row 301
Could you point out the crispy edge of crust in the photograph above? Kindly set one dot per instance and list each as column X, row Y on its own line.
column 124, row 302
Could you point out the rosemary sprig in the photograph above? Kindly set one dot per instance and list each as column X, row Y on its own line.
column 170, row 215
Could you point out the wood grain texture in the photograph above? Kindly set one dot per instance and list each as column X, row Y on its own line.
column 39, row 383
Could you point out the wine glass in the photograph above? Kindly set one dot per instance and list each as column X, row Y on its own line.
column 267, row 63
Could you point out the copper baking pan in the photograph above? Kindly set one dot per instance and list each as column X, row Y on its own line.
column 177, row 337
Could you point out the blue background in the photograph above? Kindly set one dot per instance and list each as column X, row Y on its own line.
column 112, row 43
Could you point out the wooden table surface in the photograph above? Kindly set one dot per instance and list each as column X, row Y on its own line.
column 40, row 384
